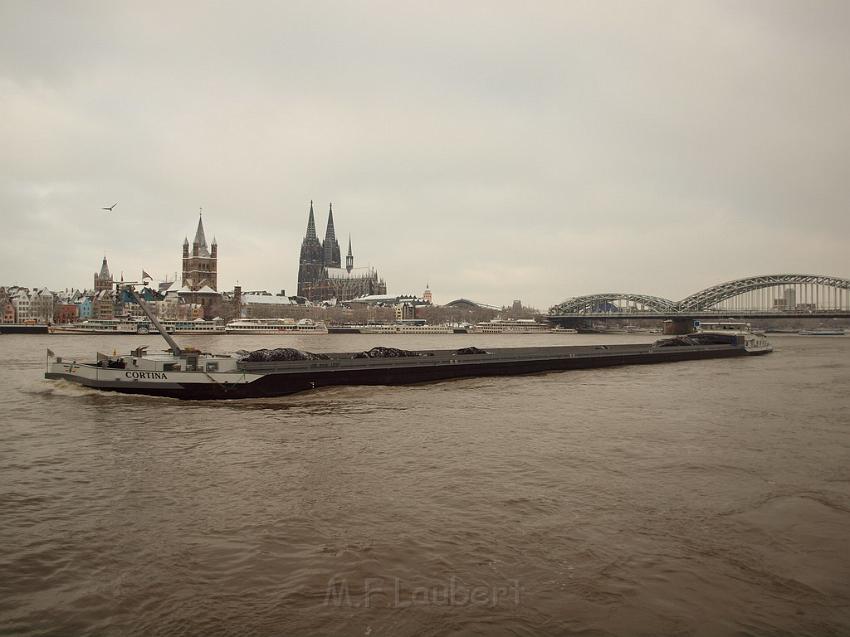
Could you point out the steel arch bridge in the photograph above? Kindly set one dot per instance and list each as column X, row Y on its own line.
column 594, row 302
column 710, row 297
column 715, row 298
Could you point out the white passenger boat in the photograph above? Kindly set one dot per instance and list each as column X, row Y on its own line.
column 276, row 326
column 563, row 330
column 511, row 326
column 405, row 328
column 198, row 326
column 104, row 326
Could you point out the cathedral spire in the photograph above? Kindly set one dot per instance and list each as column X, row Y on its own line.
column 104, row 269
column 330, row 246
column 311, row 224
column 330, row 232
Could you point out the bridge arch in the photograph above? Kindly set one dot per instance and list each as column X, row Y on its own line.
column 592, row 303
column 709, row 297
column 468, row 304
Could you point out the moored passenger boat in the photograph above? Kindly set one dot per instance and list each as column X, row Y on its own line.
column 198, row 326
column 405, row 328
column 104, row 326
column 276, row 326
column 511, row 326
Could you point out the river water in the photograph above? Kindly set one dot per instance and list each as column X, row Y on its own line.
column 697, row 498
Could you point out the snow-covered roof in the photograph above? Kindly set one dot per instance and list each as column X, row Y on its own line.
column 381, row 298
column 267, row 299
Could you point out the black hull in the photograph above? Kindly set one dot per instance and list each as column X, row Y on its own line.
column 14, row 328
column 342, row 330
column 282, row 384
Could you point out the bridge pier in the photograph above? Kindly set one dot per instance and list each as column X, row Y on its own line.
column 684, row 325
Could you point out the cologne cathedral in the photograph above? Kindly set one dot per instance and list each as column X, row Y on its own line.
column 321, row 276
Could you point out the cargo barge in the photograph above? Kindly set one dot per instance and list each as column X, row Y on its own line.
column 201, row 376
column 194, row 375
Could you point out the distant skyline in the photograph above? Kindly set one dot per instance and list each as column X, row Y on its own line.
column 496, row 151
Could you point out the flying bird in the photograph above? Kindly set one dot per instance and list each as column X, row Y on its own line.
column 109, row 209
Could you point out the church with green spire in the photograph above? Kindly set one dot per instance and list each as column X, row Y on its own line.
column 321, row 276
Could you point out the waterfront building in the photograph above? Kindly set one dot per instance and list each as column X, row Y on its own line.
column 321, row 276
column 33, row 306
column 85, row 308
column 65, row 313
column 385, row 300
column 405, row 311
column 21, row 302
column 103, row 305
column 426, row 295
column 173, row 309
column 266, row 305
column 42, row 302
column 7, row 311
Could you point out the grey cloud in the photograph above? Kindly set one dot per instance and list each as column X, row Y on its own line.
column 497, row 151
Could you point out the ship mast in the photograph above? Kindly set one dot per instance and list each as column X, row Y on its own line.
column 128, row 287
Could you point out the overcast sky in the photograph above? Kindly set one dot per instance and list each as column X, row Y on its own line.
column 497, row 150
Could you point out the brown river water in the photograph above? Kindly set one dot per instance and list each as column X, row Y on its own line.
column 696, row 498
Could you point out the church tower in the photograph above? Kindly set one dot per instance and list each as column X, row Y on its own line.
column 103, row 279
column 200, row 266
column 349, row 258
column 312, row 257
column 330, row 246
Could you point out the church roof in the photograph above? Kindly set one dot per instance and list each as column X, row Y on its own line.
column 200, row 239
column 104, row 269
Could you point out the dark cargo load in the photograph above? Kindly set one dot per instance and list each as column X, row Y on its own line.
column 690, row 340
column 388, row 352
column 280, row 354
column 470, row 350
